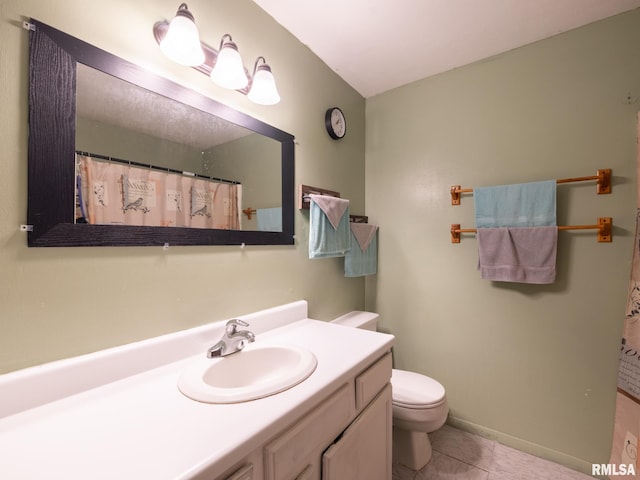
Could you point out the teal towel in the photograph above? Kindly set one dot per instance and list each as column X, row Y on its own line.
column 269, row 219
column 362, row 259
column 519, row 205
column 325, row 241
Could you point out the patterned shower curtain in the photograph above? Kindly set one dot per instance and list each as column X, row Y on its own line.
column 120, row 194
column 627, row 419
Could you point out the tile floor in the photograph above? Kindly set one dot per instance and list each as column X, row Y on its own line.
column 459, row 455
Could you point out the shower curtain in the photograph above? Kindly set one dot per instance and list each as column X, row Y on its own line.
column 121, row 194
column 627, row 419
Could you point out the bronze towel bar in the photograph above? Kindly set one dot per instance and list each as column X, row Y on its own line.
column 249, row 212
column 604, row 229
column 602, row 176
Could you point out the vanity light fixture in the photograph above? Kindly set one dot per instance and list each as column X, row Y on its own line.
column 224, row 66
column 182, row 40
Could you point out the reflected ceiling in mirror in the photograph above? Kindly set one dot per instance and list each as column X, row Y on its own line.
column 131, row 125
column 144, row 119
column 110, row 100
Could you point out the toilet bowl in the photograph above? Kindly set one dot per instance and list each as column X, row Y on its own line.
column 419, row 404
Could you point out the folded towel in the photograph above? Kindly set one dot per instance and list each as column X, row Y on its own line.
column 524, row 254
column 519, row 205
column 269, row 219
column 329, row 233
column 333, row 207
column 362, row 259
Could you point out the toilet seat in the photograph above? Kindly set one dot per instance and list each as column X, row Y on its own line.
column 416, row 391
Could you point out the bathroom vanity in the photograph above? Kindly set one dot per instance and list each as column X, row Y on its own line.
column 346, row 436
column 119, row 413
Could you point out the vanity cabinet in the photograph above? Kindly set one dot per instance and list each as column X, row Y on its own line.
column 298, row 451
column 362, row 451
column 348, row 436
column 335, row 425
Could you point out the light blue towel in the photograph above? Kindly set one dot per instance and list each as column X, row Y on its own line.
column 519, row 205
column 325, row 241
column 269, row 219
column 360, row 261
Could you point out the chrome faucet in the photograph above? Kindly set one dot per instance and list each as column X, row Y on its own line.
column 233, row 339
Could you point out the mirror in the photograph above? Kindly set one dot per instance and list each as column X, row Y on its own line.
column 186, row 139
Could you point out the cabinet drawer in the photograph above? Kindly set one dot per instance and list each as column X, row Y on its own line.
column 372, row 380
column 291, row 453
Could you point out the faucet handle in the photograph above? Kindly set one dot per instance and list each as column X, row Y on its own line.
column 233, row 324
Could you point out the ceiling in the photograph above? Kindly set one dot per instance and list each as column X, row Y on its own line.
column 378, row 45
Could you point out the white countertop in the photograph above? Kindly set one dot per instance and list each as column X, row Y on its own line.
column 142, row 427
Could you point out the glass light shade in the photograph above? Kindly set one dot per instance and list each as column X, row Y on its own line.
column 228, row 72
column 263, row 90
column 182, row 41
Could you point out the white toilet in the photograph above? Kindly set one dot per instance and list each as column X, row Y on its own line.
column 419, row 404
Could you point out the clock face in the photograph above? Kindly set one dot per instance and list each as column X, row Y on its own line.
column 335, row 123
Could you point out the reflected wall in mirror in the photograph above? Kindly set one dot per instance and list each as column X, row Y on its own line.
column 156, row 163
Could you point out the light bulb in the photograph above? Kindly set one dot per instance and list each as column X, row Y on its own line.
column 263, row 89
column 182, row 41
column 228, row 71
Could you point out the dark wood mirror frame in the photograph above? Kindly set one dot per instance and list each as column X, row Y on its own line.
column 52, row 128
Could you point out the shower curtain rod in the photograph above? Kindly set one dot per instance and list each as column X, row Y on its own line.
column 153, row 167
column 603, row 177
column 604, row 229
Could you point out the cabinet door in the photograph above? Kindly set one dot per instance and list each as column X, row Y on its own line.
column 296, row 454
column 243, row 473
column 308, row 473
column 364, row 450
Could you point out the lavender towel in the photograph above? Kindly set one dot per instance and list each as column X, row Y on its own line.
column 522, row 254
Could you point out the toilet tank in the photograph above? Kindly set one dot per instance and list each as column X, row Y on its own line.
column 359, row 319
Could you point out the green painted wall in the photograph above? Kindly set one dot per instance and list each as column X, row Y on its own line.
column 61, row 302
column 261, row 179
column 108, row 140
column 534, row 366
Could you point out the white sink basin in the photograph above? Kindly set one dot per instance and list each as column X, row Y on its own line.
column 255, row 372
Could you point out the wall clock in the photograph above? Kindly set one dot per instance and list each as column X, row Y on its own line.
column 335, row 123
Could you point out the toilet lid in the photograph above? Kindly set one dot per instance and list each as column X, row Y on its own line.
column 412, row 389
